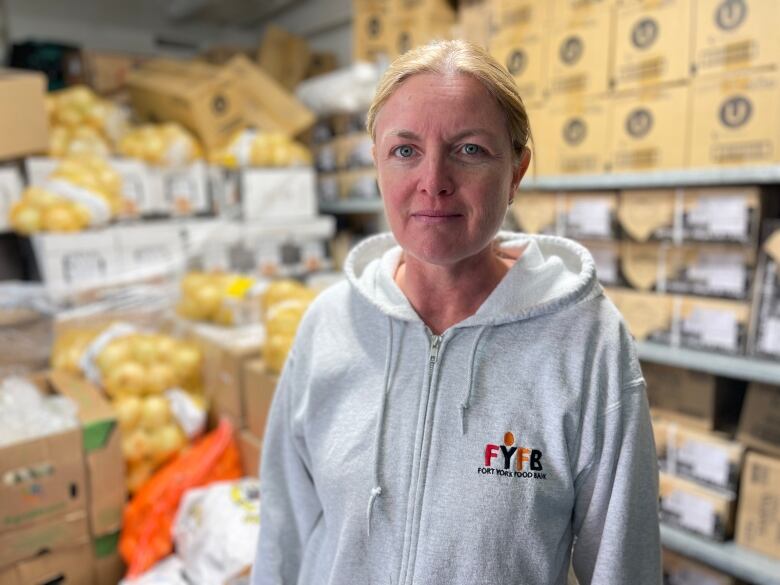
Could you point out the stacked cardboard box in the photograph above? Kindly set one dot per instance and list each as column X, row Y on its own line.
column 63, row 495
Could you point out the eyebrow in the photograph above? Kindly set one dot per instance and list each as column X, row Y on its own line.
column 409, row 135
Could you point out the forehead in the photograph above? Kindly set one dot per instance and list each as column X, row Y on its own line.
column 446, row 101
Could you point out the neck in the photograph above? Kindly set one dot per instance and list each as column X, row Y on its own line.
column 446, row 295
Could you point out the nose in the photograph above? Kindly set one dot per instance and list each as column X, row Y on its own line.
column 435, row 175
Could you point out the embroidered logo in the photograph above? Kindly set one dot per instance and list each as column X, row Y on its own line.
column 511, row 460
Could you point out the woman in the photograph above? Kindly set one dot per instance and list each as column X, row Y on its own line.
column 468, row 408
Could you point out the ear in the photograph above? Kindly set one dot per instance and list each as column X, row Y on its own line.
column 518, row 172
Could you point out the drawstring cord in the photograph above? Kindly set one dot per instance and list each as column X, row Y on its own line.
column 466, row 400
column 376, row 491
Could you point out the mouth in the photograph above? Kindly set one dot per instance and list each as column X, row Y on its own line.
column 435, row 216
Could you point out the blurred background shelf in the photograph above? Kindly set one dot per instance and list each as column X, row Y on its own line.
column 739, row 367
column 347, row 207
column 757, row 175
column 727, row 557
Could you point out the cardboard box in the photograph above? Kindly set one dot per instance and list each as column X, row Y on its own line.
column 578, row 140
column 268, row 106
column 695, row 399
column 284, row 56
column 590, row 215
column 372, row 30
column 26, row 542
column 225, row 351
column 735, row 119
column 259, row 388
column 24, row 123
column 707, row 458
column 413, row 28
column 70, row 263
column 106, row 72
column 475, row 21
column 705, row 511
column 758, row 520
column 649, row 316
column 646, row 129
column 709, row 214
column 205, row 99
column 251, row 448
column 735, row 35
column 523, row 51
column 11, row 188
column 653, row 43
column 542, row 142
column 289, row 249
column 580, row 52
column 606, row 255
column 520, row 14
column 321, row 62
column 759, row 423
column 69, row 564
column 278, row 194
column 107, row 562
column 718, row 270
column 150, row 250
column 359, row 184
column 180, row 191
column 568, row 9
column 765, row 323
column 351, row 151
column 713, row 324
column 328, row 187
column 680, row 569
column 43, row 478
column 536, row 212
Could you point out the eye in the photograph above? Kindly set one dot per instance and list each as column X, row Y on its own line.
column 404, row 151
column 471, row 149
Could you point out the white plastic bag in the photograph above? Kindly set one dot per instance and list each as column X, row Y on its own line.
column 216, row 530
column 169, row 571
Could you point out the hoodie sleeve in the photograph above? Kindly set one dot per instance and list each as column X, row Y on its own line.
column 616, row 510
column 289, row 507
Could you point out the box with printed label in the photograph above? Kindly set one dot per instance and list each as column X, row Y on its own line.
column 573, row 215
column 765, row 324
column 580, row 51
column 695, row 399
column 23, row 116
column 180, row 191
column 291, row 249
column 353, row 151
column 284, row 56
column 150, row 250
column 705, row 457
column 702, row 510
column 735, row 34
column 70, row 562
column 107, row 562
column 578, row 132
column 70, row 263
column 11, row 187
column 759, row 423
column 649, row 316
column 735, row 119
column 414, row 28
column 678, row 569
column 606, row 255
column 646, row 131
column 709, row 214
column 359, row 184
column 519, row 43
column 542, row 143
column 371, row 30
column 718, row 270
column 278, row 194
column 758, row 518
column 259, row 388
column 652, row 43
column 42, row 478
column 204, row 98
column 712, row 324
column 250, row 447
column 567, row 9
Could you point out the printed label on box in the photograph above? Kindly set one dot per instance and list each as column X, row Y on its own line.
column 721, row 216
column 706, row 462
column 721, row 272
column 591, row 218
column 692, row 512
column 715, row 328
column 10, row 191
column 770, row 340
column 606, row 264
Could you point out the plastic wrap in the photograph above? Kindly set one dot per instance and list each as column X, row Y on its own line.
column 346, row 90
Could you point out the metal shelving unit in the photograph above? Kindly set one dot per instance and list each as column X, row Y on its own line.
column 739, row 367
column 764, row 175
column 727, row 557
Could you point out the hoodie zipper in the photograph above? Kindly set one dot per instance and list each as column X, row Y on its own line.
column 433, row 357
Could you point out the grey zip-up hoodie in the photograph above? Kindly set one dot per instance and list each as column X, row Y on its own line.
column 394, row 457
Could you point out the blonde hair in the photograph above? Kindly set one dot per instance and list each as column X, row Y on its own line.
column 457, row 57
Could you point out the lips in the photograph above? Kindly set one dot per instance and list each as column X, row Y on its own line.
column 436, row 216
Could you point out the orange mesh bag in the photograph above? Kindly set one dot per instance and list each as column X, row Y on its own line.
column 146, row 533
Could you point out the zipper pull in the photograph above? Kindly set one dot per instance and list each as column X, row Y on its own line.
column 435, row 342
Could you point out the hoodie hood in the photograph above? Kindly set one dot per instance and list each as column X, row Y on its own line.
column 549, row 274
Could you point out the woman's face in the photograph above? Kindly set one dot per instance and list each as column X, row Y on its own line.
column 445, row 166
